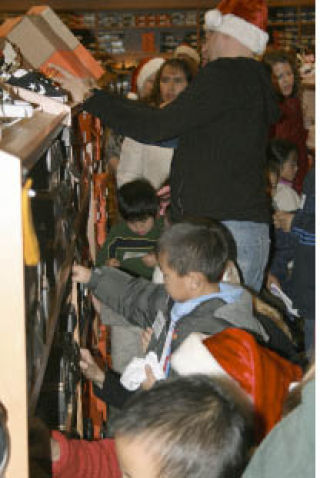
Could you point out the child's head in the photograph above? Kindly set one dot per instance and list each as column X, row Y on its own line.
column 284, row 73
column 192, row 254
column 138, row 205
column 282, row 159
column 183, row 427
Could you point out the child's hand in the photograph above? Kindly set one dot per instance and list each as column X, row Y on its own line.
column 113, row 262
column 145, row 338
column 81, row 274
column 90, row 369
column 150, row 260
column 150, row 380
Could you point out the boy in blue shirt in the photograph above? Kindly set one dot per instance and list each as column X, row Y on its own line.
column 193, row 258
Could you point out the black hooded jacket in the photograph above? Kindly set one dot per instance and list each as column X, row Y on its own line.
column 222, row 121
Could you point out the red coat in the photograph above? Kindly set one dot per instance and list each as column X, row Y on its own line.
column 84, row 459
column 290, row 126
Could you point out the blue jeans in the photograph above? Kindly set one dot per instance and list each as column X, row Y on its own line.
column 253, row 243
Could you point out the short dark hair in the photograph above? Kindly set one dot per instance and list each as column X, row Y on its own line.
column 278, row 152
column 195, row 248
column 137, row 200
column 193, row 424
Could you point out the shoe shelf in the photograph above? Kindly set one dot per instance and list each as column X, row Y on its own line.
column 40, row 308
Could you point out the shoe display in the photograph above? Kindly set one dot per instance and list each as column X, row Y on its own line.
column 39, row 83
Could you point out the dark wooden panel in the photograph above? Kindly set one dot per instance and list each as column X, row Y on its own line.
column 23, row 5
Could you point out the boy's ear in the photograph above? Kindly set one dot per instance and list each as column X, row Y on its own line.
column 195, row 280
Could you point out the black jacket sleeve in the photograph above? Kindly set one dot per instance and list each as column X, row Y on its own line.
column 112, row 392
column 208, row 97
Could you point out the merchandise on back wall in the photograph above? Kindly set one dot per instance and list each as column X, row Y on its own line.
column 49, row 41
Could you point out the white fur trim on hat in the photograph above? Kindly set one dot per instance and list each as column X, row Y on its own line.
column 148, row 69
column 187, row 50
column 246, row 33
column 194, row 357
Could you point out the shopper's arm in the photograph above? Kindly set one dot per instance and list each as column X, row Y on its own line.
column 112, row 392
column 208, row 97
column 136, row 299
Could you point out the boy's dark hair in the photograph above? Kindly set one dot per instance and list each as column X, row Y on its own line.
column 278, row 152
column 193, row 426
column 194, row 247
column 137, row 200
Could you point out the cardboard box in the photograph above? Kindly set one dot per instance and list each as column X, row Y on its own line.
column 56, row 24
column 91, row 66
column 43, row 38
column 36, row 40
column 68, row 61
column 8, row 25
column 90, row 63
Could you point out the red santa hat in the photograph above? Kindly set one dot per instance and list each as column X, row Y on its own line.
column 245, row 20
column 260, row 372
column 146, row 68
column 185, row 49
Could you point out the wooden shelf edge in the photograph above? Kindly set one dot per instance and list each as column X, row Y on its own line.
column 30, row 137
column 290, row 24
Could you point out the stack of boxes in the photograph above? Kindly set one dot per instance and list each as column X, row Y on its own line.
column 43, row 39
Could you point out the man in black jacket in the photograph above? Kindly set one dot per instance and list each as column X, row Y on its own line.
column 222, row 121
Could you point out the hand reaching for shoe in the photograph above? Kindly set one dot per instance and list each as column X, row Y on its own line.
column 90, row 369
column 78, row 88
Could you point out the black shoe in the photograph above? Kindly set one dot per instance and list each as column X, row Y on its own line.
column 39, row 83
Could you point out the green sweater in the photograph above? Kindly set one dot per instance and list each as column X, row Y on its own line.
column 129, row 248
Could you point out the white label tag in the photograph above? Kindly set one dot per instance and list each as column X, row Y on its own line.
column 133, row 255
column 158, row 324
